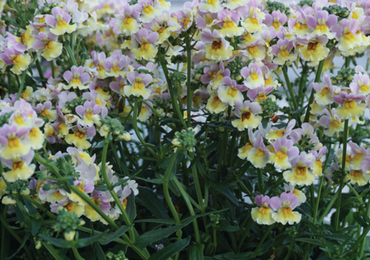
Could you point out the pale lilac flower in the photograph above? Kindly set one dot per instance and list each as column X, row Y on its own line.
column 308, row 131
column 275, row 19
column 276, row 133
column 300, row 174
column 229, row 21
column 284, row 207
column 262, row 214
column 259, row 94
column 247, row 112
column 216, row 46
column 59, row 21
column 89, row 113
column 76, row 78
column 285, row 151
column 116, row 65
column 127, row 22
column 253, row 77
column 229, row 92
column 322, row 23
column 300, row 195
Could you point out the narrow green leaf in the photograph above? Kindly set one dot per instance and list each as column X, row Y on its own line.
column 195, row 252
column 149, row 200
column 59, row 242
column 82, row 242
column 171, row 249
column 315, row 242
column 99, row 251
column 119, row 232
column 24, row 240
column 224, row 189
column 131, row 207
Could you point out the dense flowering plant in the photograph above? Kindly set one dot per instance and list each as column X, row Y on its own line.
column 229, row 129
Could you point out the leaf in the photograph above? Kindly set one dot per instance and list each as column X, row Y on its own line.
column 35, row 226
column 155, row 181
column 226, row 226
column 59, row 242
column 166, row 221
column 82, row 242
column 336, row 237
column 99, row 251
column 149, row 200
column 309, row 241
column 171, row 249
column 195, row 252
column 23, row 243
column 119, row 232
column 232, row 256
column 265, row 247
column 131, row 207
column 224, row 189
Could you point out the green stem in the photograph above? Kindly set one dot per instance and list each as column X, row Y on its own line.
column 260, row 181
column 289, row 250
column 345, row 136
column 290, row 88
column 77, row 254
column 301, row 83
column 38, row 66
column 20, row 90
column 173, row 97
column 263, row 238
column 363, row 245
column 115, row 154
column 190, row 207
column 312, row 96
column 189, row 95
column 153, row 110
column 71, row 54
column 52, row 250
column 134, row 125
column 328, row 208
column 356, row 193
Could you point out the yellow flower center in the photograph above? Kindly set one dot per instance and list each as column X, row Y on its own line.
column 312, row 45
column 300, row 26
column 296, row 192
column 348, row 158
column 284, row 53
column 246, row 116
column 356, row 173
column 42, row 19
column 13, row 142
column 138, row 85
column 301, row 170
column 81, row 186
column 49, row 45
column 264, row 210
column 354, row 15
column 281, row 155
column 261, row 96
column 68, row 206
column 45, row 112
column 253, row 20
column 100, row 67
column 232, row 91
column 61, row 125
column 211, row 2
column 116, row 69
column 260, row 153
column 252, row 49
column 349, row 104
column 268, row 81
column 128, row 20
column 364, row 88
column 287, row 211
column 186, row 21
column 17, row 165
column 358, row 156
column 254, row 76
column 33, row 132
column 248, row 36
column 325, row 91
column 145, row 46
column 276, row 25
column 334, row 123
column 75, row 81
column 318, row 163
column 61, row 23
column 17, row 59
column 280, row 132
column 148, row 9
column 229, row 24
column 58, row 194
column 321, row 27
column 124, row 203
column 161, row 30
column 216, row 45
column 89, row 115
column 349, row 36
column 80, row 134
column 19, row 120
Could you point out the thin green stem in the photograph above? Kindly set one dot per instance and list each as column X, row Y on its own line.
column 21, row 87
column 263, row 238
column 52, row 250
column 185, row 195
column 71, row 54
column 363, row 245
column 41, row 74
column 189, row 95
column 290, row 88
column 260, row 181
column 328, row 208
column 312, row 96
column 77, row 254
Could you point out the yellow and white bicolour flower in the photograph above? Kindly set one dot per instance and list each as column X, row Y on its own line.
column 229, row 21
column 300, row 195
column 139, row 83
column 144, row 44
column 59, row 21
column 216, row 47
column 229, row 92
column 253, row 76
column 247, row 112
column 284, row 205
column 300, row 173
column 313, row 49
column 283, row 152
column 20, row 167
column 262, row 214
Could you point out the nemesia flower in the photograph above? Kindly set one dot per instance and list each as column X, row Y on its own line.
column 229, row 92
column 322, row 23
column 69, row 205
column 331, row 122
column 127, row 23
column 298, row 25
column 275, row 19
column 78, row 138
column 284, row 152
column 324, row 92
column 253, row 16
column 59, row 21
column 46, row 110
column 19, row 60
column 346, row 31
column 285, row 204
column 314, row 50
column 148, row 41
column 263, row 214
column 229, row 23
column 213, row 6
column 205, row 20
column 99, row 200
column 300, row 174
column 116, row 66
column 259, row 94
column 97, row 62
column 308, row 131
column 164, row 25
column 85, row 187
column 21, row 169
column 350, row 107
column 253, row 77
column 88, row 113
column 216, row 47
column 357, row 154
column 300, row 195
column 358, row 177
column 145, row 112
column 12, row 141
column 246, row 111
column 149, row 10
column 76, row 78
column 256, row 50
column 48, row 44
column 138, row 84
column 258, row 155
column 282, row 51
column 317, row 164
column 360, row 84
column 215, row 105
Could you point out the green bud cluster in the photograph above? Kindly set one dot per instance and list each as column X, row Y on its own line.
column 339, row 11
column 144, row 71
column 306, row 3
column 177, row 78
column 344, row 77
column 185, row 139
column 65, row 165
column 46, row 9
column 70, row 105
column 114, row 126
column 162, row 103
column 67, row 222
column 215, row 219
column 275, row 6
column 269, row 106
column 4, row 118
column 305, row 144
column 338, row 176
column 291, row 231
column 235, row 67
column 119, row 256
column 178, row 59
column 18, row 187
column 133, row 2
